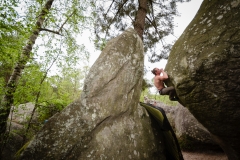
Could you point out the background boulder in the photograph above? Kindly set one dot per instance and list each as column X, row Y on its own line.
column 17, row 122
column 191, row 134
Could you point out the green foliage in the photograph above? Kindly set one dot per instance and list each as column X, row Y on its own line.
column 49, row 108
column 56, row 92
column 146, row 84
column 56, row 49
column 2, row 85
column 11, row 39
column 29, row 85
column 17, row 19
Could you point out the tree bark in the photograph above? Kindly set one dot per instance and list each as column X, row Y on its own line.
column 140, row 17
column 7, row 100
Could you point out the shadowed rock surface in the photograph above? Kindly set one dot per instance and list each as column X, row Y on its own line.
column 192, row 135
column 190, row 131
column 204, row 67
column 106, row 122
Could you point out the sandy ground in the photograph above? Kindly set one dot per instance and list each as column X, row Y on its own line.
column 204, row 156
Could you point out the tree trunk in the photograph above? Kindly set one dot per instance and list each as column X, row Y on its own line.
column 7, row 100
column 140, row 17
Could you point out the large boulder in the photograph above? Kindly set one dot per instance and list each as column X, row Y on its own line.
column 106, row 122
column 204, row 67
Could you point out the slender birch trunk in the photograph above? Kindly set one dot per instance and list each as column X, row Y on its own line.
column 7, row 100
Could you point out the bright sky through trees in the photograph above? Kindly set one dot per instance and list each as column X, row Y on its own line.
column 187, row 12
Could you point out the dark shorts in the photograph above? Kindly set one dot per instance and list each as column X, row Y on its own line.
column 160, row 91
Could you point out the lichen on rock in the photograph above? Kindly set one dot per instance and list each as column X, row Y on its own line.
column 106, row 122
column 204, row 67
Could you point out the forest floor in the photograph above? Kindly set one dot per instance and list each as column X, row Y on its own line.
column 207, row 155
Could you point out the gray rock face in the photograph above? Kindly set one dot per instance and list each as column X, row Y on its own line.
column 191, row 134
column 20, row 117
column 106, row 122
column 22, row 113
column 187, row 124
column 204, row 67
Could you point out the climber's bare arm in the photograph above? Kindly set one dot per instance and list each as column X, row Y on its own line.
column 162, row 77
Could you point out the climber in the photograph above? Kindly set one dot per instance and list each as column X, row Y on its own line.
column 158, row 82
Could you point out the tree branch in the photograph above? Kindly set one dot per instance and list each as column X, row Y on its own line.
column 121, row 6
column 60, row 29
column 154, row 25
column 48, row 30
column 110, row 7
